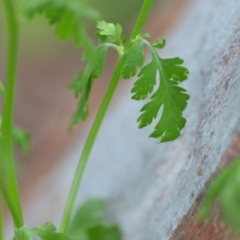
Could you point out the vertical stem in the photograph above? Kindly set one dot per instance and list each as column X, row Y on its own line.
column 8, row 108
column 98, row 121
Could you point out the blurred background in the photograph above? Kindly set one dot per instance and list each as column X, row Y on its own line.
column 44, row 104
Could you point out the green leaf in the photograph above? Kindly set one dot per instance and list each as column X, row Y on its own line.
column 113, row 33
column 169, row 100
column 21, row 138
column 173, row 69
column 47, row 231
column 67, row 16
column 159, row 43
column 225, row 189
column 133, row 59
column 2, row 89
column 104, row 232
column 82, row 83
column 90, row 213
column 89, row 223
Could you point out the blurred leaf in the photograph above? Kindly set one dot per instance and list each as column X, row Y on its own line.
column 68, row 17
column 47, row 231
column 82, row 83
column 21, row 138
column 226, row 189
column 90, row 213
column 23, row 234
column 104, row 232
column 159, row 43
column 89, row 223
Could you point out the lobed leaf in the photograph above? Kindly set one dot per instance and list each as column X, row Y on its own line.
column 173, row 69
column 67, row 16
column 113, row 33
column 168, row 98
column 82, row 83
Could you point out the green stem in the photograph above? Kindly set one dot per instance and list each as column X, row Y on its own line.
column 141, row 19
column 10, row 204
column 97, row 123
column 88, row 146
column 8, row 108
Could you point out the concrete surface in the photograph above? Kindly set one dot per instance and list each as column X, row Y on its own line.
column 150, row 187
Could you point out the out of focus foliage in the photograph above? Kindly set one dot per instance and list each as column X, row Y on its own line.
column 225, row 189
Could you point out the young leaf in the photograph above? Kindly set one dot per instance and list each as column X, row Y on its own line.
column 225, row 189
column 159, row 43
column 112, row 32
column 82, row 83
column 168, row 97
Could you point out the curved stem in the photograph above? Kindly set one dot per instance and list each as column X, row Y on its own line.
column 8, row 108
column 97, row 123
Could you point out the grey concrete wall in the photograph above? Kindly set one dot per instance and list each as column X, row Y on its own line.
column 151, row 186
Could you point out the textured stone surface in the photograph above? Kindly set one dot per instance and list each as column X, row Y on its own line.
column 213, row 227
column 151, row 187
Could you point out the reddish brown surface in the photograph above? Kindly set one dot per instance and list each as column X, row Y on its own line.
column 213, row 228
